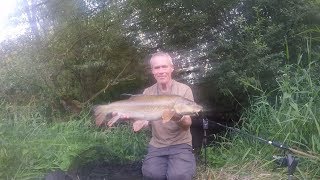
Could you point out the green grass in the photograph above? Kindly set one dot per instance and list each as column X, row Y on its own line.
column 291, row 117
column 30, row 147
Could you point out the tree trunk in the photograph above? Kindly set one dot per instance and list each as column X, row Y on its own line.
column 31, row 14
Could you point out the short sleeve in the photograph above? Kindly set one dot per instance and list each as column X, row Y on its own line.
column 146, row 91
column 188, row 94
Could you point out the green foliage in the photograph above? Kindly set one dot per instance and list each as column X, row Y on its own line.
column 291, row 118
column 84, row 45
column 252, row 49
column 178, row 25
column 238, row 151
column 80, row 55
column 30, row 147
column 296, row 107
column 241, row 44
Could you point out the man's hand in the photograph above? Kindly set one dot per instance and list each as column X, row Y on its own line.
column 122, row 116
column 176, row 117
column 115, row 117
column 183, row 121
column 139, row 124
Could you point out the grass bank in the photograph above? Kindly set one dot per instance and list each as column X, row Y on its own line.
column 290, row 115
column 30, row 147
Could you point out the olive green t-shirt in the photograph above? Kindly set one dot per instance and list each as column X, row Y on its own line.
column 170, row 133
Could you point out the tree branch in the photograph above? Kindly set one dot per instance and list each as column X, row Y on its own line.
column 108, row 85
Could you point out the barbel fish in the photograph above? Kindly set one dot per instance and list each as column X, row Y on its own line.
column 146, row 107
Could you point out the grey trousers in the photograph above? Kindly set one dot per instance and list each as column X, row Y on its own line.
column 175, row 162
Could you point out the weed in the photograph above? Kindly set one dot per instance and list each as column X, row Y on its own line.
column 291, row 117
column 30, row 147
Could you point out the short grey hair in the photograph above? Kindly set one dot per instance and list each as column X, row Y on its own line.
column 164, row 54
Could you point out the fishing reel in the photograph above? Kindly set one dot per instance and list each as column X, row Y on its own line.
column 288, row 161
column 205, row 126
column 205, row 123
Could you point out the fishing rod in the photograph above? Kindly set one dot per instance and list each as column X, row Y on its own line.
column 288, row 160
column 205, row 126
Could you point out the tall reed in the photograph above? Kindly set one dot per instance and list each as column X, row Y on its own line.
column 290, row 115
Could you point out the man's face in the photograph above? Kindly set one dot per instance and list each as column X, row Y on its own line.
column 161, row 69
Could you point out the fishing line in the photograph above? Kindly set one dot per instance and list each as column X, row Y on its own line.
column 288, row 160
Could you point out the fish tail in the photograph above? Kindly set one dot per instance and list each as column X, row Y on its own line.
column 100, row 113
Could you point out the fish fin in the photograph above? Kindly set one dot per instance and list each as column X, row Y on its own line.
column 131, row 95
column 167, row 115
column 125, row 94
column 138, row 124
column 113, row 120
column 136, row 96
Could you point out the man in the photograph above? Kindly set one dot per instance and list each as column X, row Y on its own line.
column 170, row 149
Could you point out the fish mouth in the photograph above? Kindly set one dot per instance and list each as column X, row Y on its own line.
column 199, row 109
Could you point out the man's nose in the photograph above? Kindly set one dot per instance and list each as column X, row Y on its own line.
column 161, row 70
